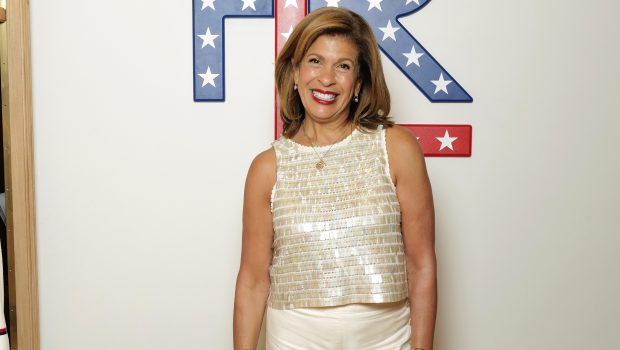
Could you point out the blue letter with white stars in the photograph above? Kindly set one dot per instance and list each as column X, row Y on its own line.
column 209, row 16
column 401, row 47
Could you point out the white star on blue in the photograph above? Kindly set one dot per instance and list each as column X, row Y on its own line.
column 209, row 35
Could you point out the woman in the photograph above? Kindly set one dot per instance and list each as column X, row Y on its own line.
column 338, row 223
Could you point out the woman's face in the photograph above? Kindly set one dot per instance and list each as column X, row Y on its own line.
column 327, row 78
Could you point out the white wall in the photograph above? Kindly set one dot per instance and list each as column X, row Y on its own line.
column 139, row 189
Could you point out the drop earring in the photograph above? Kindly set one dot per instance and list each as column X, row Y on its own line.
column 356, row 99
column 295, row 87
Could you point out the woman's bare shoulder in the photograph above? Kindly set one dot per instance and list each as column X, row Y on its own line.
column 262, row 173
column 403, row 143
column 265, row 161
column 405, row 155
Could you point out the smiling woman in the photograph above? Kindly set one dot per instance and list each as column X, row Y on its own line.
column 360, row 49
column 326, row 78
column 338, row 223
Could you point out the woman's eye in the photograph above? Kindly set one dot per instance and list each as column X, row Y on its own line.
column 345, row 66
column 314, row 60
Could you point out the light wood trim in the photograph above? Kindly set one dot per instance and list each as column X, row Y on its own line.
column 17, row 115
column 5, row 127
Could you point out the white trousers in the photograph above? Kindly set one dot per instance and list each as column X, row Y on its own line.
column 347, row 327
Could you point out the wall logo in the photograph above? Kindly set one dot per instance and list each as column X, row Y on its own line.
column 398, row 45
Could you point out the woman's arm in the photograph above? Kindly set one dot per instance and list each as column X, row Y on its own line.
column 418, row 225
column 253, row 279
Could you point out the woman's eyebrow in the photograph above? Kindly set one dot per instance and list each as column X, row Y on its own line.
column 314, row 54
column 322, row 57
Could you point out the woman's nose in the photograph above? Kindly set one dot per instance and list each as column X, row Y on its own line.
column 327, row 77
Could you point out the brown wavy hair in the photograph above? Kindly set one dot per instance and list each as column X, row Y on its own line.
column 374, row 98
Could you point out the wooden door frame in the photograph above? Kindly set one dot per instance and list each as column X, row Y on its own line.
column 19, row 176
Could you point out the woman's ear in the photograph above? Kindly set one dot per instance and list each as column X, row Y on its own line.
column 358, row 88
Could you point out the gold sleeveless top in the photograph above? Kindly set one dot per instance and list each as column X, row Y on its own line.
column 337, row 235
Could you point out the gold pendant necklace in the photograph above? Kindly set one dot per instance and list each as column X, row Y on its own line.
column 321, row 163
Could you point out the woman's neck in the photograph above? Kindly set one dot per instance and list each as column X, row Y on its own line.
column 317, row 134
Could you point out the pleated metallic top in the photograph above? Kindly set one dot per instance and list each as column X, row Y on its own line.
column 337, row 233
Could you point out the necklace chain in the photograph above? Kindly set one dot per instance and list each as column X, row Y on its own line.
column 321, row 163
